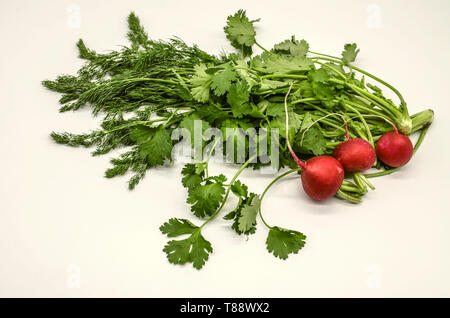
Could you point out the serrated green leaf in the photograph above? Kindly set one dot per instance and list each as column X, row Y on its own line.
column 154, row 144
column 196, row 127
column 280, row 123
column 201, row 83
column 313, row 142
column 191, row 177
column 350, row 52
column 241, row 67
column 319, row 76
column 205, row 199
column 210, row 113
column 235, row 215
column 279, row 64
column 176, row 227
column 247, row 218
column 221, row 80
column 267, row 84
column 282, row 242
column 237, row 98
column 241, row 32
column 195, row 249
column 230, row 216
column 293, row 47
column 239, row 189
column 235, row 136
column 307, row 121
column 277, row 109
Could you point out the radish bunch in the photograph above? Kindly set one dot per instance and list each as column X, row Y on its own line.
column 322, row 176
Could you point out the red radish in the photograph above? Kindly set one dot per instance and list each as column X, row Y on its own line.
column 355, row 155
column 322, row 176
column 394, row 148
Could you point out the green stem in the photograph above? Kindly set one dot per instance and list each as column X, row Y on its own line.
column 261, row 47
column 369, row 133
column 341, row 194
column 379, row 101
column 338, row 60
column 209, row 156
column 350, row 189
column 308, row 99
column 365, row 108
column 333, row 69
column 284, row 76
column 267, row 189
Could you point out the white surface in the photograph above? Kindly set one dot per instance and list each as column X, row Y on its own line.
column 56, row 209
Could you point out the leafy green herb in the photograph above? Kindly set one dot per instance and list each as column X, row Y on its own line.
column 293, row 47
column 205, row 199
column 281, row 242
column 195, row 249
column 349, row 54
column 241, row 32
column 144, row 92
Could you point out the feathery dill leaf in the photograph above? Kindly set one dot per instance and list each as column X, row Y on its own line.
column 136, row 34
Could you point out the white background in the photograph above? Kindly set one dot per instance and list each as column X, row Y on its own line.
column 58, row 215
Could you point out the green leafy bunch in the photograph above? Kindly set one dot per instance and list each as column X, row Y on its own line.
column 148, row 90
column 207, row 196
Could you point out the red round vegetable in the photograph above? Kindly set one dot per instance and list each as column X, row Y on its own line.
column 355, row 155
column 322, row 177
column 394, row 149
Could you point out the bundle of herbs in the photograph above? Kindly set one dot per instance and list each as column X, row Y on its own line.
column 303, row 105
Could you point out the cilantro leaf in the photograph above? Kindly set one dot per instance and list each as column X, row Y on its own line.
column 267, row 84
column 201, row 82
column 239, row 189
column 280, row 123
column 350, row 52
column 210, row 113
column 320, row 85
column 307, row 121
column 195, row 249
column 305, row 90
column 238, row 97
column 219, row 179
column 244, row 74
column 154, row 144
column 205, row 199
column 176, row 227
column 293, row 47
column 244, row 215
column 191, row 177
column 319, row 76
column 277, row 109
column 282, row 242
column 241, row 32
column 222, row 79
column 233, row 132
column 247, row 218
column 313, row 142
column 195, row 126
column 280, row 64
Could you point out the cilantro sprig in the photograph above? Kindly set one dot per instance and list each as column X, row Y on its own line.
column 207, row 198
